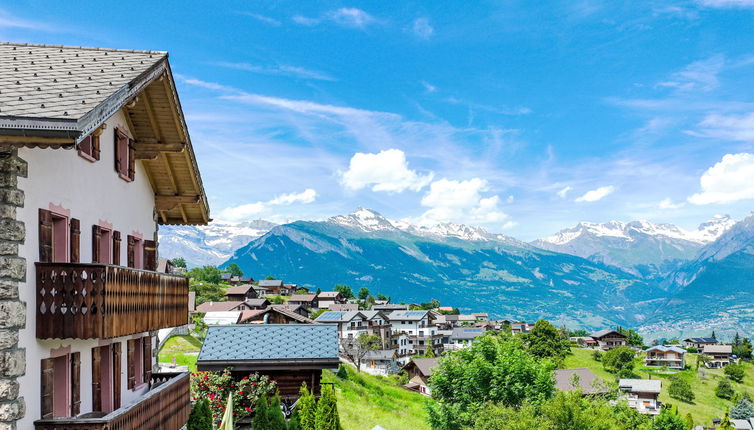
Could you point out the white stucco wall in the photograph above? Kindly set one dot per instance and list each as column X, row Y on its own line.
column 93, row 192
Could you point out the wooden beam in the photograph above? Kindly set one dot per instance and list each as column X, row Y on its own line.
column 150, row 151
column 171, row 174
column 150, row 114
column 173, row 106
column 166, row 203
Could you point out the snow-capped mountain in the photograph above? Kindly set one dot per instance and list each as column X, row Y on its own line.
column 368, row 220
column 641, row 247
column 210, row 244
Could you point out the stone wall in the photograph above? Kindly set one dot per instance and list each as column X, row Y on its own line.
column 12, row 272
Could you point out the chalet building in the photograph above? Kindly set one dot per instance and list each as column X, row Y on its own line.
column 671, row 357
column 289, row 354
column 641, row 394
column 381, row 362
column 236, row 280
column 222, row 306
column 416, row 328
column 239, row 293
column 344, row 307
column 222, row 317
column 717, row 356
column 94, row 155
column 462, row 337
column 273, row 315
column 608, row 339
column 419, row 370
column 389, row 307
column 275, row 287
column 307, row 301
column 260, row 303
column 580, row 379
column 262, row 291
column 699, row 342
column 521, row 327
column 327, row 298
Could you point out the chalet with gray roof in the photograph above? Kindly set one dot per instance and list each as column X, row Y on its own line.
column 272, row 315
column 668, row 356
column 240, row 292
column 608, row 339
column 327, row 298
column 641, row 394
column 419, row 370
column 307, row 301
column 290, row 354
column 699, row 342
column 717, row 356
column 222, row 306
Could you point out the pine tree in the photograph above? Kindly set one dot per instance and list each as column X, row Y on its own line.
column 725, row 424
column 713, row 336
column 294, row 423
column 430, row 352
column 327, row 411
column 260, row 414
column 743, row 410
column 200, row 417
column 737, row 340
column 306, row 409
column 689, row 421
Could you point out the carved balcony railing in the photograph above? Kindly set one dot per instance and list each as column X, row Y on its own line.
column 90, row 301
column 165, row 407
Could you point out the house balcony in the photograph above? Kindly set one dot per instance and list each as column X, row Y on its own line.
column 165, row 407
column 99, row 301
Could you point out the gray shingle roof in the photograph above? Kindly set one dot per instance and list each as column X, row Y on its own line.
column 407, row 315
column 270, row 283
column 65, row 82
column 333, row 316
column 641, row 385
column 602, row 333
column 466, row 333
column 269, row 342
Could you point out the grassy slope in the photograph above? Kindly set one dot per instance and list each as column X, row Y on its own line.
column 184, row 348
column 706, row 405
column 365, row 401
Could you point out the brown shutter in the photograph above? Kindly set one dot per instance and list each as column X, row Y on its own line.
column 131, row 160
column 95, row 147
column 96, row 236
column 75, row 238
column 131, row 363
column 48, row 378
column 116, row 138
column 130, row 251
column 97, row 379
column 75, row 383
column 150, row 255
column 85, row 146
column 147, row 359
column 116, row 375
column 116, row 248
column 45, row 236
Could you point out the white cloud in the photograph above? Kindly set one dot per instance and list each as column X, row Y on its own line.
column 729, row 180
column 385, row 171
column 429, row 88
column 280, row 69
column 728, row 127
column 727, row 3
column 460, row 201
column 10, row 21
column 265, row 19
column 422, row 28
column 669, row 204
column 346, row 17
column 697, row 76
column 596, row 194
column 351, row 17
column 564, row 192
column 251, row 210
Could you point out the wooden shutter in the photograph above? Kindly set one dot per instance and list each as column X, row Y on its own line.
column 45, row 236
column 131, row 160
column 97, row 379
column 116, row 248
column 150, row 255
column 131, row 251
column 147, row 359
column 95, row 147
column 96, row 236
column 85, row 146
column 131, row 363
column 75, row 383
column 116, row 375
column 48, row 379
column 75, row 239
column 117, row 139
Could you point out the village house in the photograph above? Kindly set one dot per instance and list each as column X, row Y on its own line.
column 239, row 293
column 236, row 280
column 222, row 306
column 717, row 356
column 608, row 339
column 699, row 342
column 344, row 307
column 255, row 304
column 671, row 357
column 273, row 315
column 307, row 301
column 289, row 354
column 582, row 379
column 641, row 394
column 389, row 307
column 481, row 316
column 222, row 317
column 462, row 337
column 419, row 330
column 521, row 327
column 381, row 362
column 275, row 287
column 261, row 291
column 94, row 156
column 327, row 298
column 419, row 370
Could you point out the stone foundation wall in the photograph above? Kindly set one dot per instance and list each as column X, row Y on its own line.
column 12, row 272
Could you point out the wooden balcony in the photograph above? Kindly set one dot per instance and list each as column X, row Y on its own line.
column 90, row 301
column 165, row 407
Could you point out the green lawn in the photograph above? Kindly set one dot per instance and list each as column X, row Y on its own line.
column 365, row 401
column 184, row 348
column 703, row 382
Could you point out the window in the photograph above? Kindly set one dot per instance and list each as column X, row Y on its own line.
column 105, row 246
column 125, row 156
column 60, row 376
column 58, row 237
column 139, row 362
column 135, row 252
column 89, row 147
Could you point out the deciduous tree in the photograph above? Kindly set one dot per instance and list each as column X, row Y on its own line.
column 680, row 389
column 355, row 348
column 619, row 360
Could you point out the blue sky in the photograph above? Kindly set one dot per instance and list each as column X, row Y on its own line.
column 523, row 117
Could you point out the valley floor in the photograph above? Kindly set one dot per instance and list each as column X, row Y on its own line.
column 703, row 382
